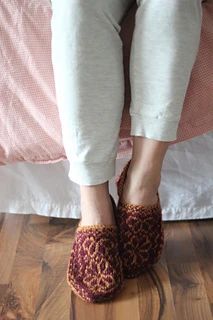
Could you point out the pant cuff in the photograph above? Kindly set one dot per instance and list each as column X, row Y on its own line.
column 153, row 128
column 85, row 173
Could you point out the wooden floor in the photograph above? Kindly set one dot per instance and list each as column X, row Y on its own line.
column 34, row 253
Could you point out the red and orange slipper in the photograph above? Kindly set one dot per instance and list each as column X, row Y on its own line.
column 95, row 272
column 140, row 231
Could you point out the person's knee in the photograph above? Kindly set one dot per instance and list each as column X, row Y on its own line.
column 68, row 15
column 84, row 15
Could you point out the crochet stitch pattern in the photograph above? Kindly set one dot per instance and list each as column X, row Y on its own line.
column 95, row 271
column 140, row 230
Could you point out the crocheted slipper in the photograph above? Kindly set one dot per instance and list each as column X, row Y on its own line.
column 95, row 271
column 140, row 230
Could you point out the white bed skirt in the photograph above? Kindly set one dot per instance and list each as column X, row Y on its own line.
column 186, row 189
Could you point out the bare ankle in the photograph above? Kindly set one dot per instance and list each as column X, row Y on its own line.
column 139, row 194
column 96, row 206
column 95, row 190
column 146, row 178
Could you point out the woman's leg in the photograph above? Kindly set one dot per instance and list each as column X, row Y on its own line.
column 89, row 81
column 164, row 48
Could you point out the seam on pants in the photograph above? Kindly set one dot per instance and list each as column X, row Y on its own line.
column 154, row 118
column 112, row 20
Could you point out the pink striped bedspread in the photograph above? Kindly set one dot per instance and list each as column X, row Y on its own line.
column 30, row 128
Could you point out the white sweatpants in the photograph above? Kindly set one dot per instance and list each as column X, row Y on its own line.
column 89, row 77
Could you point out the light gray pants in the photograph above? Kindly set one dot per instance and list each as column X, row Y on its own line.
column 89, row 77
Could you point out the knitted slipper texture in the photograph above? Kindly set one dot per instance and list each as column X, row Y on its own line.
column 95, row 271
column 140, row 230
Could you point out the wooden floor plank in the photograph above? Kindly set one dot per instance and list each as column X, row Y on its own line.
column 26, row 269
column 155, row 293
column 54, row 292
column 190, row 298
column 202, row 238
column 123, row 306
column 34, row 256
column 126, row 304
column 9, row 237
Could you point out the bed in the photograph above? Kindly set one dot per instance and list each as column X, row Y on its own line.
column 33, row 162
